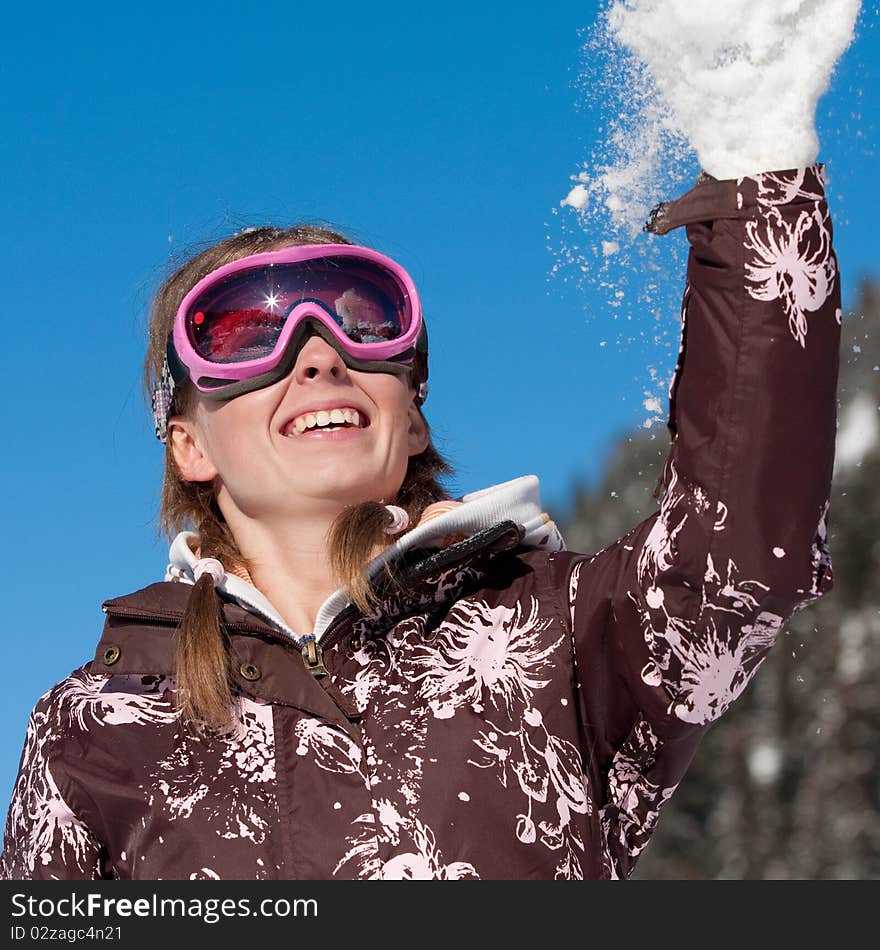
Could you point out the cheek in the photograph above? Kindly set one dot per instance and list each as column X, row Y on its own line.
column 391, row 396
column 234, row 426
column 401, row 422
column 247, row 411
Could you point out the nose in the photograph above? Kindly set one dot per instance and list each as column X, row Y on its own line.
column 317, row 359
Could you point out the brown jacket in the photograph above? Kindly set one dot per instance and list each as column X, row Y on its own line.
column 516, row 712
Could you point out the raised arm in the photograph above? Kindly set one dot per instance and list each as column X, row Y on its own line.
column 670, row 622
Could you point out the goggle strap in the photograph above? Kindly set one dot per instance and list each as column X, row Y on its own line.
column 162, row 397
column 177, row 369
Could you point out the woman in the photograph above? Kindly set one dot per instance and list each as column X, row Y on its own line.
column 319, row 690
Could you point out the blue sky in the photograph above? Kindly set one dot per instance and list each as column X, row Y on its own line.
column 446, row 141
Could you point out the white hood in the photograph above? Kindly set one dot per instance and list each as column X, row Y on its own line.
column 517, row 500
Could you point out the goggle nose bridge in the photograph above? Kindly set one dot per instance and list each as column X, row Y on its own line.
column 309, row 316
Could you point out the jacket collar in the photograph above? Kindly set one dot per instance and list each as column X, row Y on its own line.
column 138, row 636
column 517, row 501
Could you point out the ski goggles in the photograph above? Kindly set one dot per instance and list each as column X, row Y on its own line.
column 242, row 326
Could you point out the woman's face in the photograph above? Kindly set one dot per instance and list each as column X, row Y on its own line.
column 263, row 468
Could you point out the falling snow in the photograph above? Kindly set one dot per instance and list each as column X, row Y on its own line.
column 676, row 85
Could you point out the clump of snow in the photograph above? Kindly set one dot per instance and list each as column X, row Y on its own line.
column 727, row 86
column 577, row 198
column 732, row 83
column 740, row 79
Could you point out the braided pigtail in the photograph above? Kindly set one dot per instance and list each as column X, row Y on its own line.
column 204, row 689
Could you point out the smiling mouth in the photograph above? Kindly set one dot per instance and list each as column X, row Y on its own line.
column 326, row 420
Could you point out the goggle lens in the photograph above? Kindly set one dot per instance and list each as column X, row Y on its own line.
column 241, row 318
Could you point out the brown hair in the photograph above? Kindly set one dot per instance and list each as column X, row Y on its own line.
column 203, row 685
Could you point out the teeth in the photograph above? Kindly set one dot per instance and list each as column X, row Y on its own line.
column 324, row 417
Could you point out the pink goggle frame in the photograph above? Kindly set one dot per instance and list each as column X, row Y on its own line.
column 327, row 298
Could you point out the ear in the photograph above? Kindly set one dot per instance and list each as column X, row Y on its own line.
column 191, row 459
column 418, row 431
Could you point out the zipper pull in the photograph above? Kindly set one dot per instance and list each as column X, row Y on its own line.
column 313, row 657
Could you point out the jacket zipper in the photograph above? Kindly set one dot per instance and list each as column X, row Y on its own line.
column 313, row 652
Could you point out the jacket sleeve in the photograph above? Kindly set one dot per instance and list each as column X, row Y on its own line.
column 671, row 621
column 44, row 839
